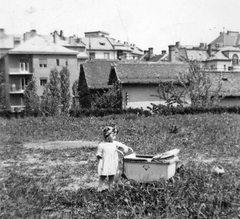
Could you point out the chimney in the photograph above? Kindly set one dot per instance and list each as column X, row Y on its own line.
column 134, row 45
column 178, row 44
column 29, row 35
column 125, row 43
column 171, row 49
column 61, row 33
column 54, row 33
column 71, row 40
column 209, row 49
column 164, row 52
column 150, row 53
column 2, row 32
column 201, row 46
column 17, row 41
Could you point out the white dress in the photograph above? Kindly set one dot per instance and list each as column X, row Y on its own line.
column 108, row 165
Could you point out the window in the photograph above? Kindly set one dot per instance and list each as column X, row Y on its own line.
column 235, row 60
column 92, row 55
column 57, row 62
column 66, row 63
column 124, row 56
column 43, row 82
column 106, row 56
column 24, row 82
column 42, row 63
column 24, row 66
column 119, row 54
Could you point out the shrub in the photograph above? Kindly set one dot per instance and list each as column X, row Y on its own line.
column 50, row 103
column 65, row 89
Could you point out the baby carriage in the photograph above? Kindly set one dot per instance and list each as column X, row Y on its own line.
column 149, row 168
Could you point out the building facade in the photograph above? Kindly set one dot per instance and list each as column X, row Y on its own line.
column 34, row 58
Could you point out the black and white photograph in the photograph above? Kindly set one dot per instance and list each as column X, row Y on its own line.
column 114, row 109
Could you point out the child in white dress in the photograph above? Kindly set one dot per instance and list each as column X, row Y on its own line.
column 107, row 156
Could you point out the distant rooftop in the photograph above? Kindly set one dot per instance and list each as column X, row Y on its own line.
column 40, row 45
column 96, row 34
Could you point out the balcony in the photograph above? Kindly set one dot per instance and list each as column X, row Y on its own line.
column 21, row 72
column 18, row 108
column 15, row 90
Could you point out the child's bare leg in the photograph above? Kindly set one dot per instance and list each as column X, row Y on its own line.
column 100, row 182
column 110, row 180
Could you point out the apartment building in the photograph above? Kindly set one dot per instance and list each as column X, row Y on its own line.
column 34, row 58
column 100, row 46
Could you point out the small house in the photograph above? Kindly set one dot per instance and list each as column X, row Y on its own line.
column 139, row 81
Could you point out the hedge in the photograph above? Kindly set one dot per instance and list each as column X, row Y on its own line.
column 157, row 110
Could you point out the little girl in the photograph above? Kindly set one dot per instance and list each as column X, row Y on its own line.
column 108, row 157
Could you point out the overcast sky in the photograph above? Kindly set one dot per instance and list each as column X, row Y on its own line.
column 146, row 23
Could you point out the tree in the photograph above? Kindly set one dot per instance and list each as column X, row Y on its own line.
column 51, row 98
column 75, row 101
column 65, row 89
column 172, row 94
column 31, row 99
column 202, row 91
column 110, row 98
column 83, row 91
column 3, row 102
column 195, row 84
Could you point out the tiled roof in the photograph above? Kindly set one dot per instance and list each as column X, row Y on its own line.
column 146, row 73
column 153, row 73
column 226, row 39
column 97, row 43
column 97, row 72
column 40, row 45
column 230, row 82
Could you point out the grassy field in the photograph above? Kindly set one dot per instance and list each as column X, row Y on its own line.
column 43, row 183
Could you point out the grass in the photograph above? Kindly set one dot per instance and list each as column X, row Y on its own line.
column 37, row 183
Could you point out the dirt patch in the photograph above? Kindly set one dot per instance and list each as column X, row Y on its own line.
column 51, row 145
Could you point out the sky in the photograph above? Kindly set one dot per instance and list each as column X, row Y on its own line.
column 146, row 23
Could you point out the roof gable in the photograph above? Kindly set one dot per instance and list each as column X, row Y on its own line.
column 97, row 72
column 40, row 45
